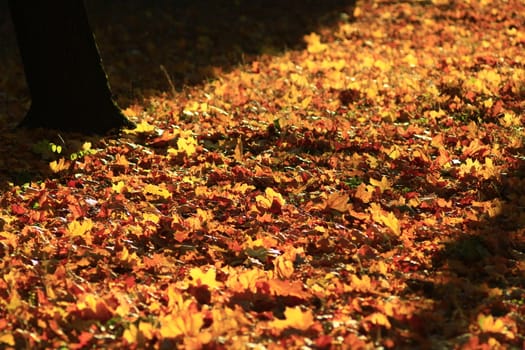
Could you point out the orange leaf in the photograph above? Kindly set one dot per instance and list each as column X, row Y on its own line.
column 62, row 164
column 7, row 339
column 388, row 219
column 378, row 319
column 270, row 196
column 338, row 201
column 364, row 192
column 238, row 154
column 294, row 318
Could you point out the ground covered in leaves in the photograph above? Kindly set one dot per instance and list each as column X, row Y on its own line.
column 363, row 189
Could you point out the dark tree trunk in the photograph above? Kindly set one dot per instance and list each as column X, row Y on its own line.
column 69, row 88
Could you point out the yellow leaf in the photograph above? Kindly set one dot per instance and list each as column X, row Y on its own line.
column 306, row 102
column 245, row 280
column 383, row 185
column 489, row 324
column 378, row 319
column 146, row 329
column 127, row 257
column 242, row 188
column 14, row 301
column 131, row 334
column 8, row 339
column 77, row 228
column 62, row 164
column 387, row 219
column 363, row 284
column 176, row 301
column 510, row 119
column 157, row 190
column 191, row 107
column 187, row 145
column 294, row 318
column 208, row 278
column 142, row 127
column 154, row 218
column 272, row 195
column 121, row 160
column 183, row 323
column 299, row 80
column 119, row 187
column 265, row 201
column 411, row 60
column 283, row 267
column 314, row 44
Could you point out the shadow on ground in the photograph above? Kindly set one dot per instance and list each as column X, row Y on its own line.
column 479, row 271
column 145, row 42
column 150, row 47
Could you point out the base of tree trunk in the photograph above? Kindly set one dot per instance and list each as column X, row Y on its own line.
column 92, row 120
column 69, row 88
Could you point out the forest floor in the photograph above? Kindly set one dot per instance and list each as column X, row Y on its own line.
column 305, row 177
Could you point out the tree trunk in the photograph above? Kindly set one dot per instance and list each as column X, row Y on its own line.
column 69, row 88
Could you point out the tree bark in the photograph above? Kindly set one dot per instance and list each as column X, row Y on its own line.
column 69, row 88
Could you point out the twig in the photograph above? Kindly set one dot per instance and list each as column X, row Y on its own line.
column 165, row 71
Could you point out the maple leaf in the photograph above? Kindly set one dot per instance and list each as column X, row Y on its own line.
column 208, row 278
column 128, row 258
column 245, row 280
column 364, row 192
column 183, row 323
column 187, row 145
column 283, row 267
column 139, row 334
column 59, row 166
column 338, row 201
column 269, row 199
column 378, row 319
column 363, row 284
column 489, row 324
column 119, row 187
column 294, row 318
column 157, row 191
column 15, row 301
column 386, row 218
column 121, row 160
column 141, row 128
column 314, row 45
column 7, row 339
column 383, row 185
column 238, row 154
column 91, row 306
column 176, row 301
column 80, row 228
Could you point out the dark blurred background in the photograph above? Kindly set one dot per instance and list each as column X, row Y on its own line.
column 190, row 39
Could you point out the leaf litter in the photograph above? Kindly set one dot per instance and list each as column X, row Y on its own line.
column 365, row 191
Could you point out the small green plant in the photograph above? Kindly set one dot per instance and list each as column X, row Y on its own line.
column 353, row 182
column 47, row 149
